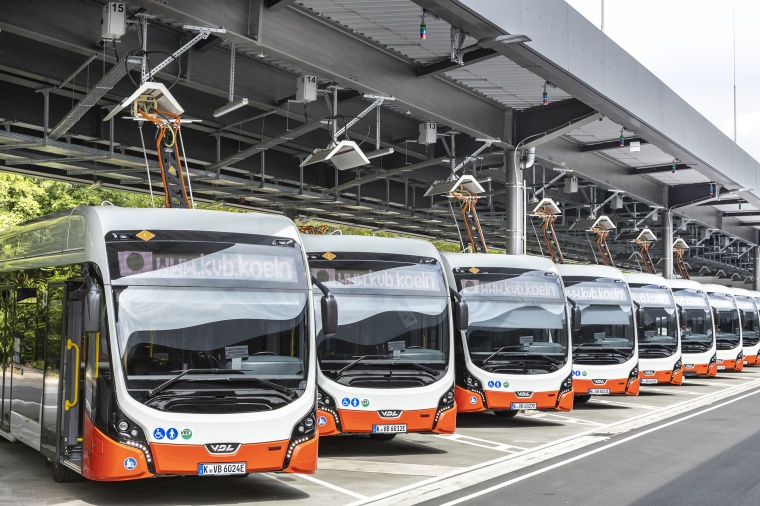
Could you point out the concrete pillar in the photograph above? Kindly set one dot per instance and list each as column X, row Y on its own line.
column 756, row 284
column 515, row 213
column 667, row 243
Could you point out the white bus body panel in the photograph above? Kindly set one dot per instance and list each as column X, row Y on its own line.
column 649, row 367
column 734, row 355
column 372, row 400
column 603, row 373
column 750, row 352
column 536, row 384
column 690, row 360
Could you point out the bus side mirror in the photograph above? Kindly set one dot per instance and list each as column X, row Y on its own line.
column 91, row 311
column 461, row 316
column 576, row 319
column 640, row 317
column 329, row 315
column 682, row 316
column 716, row 316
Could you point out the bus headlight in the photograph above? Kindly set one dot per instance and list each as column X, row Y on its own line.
column 327, row 404
column 304, row 430
column 445, row 403
column 632, row 376
column 125, row 431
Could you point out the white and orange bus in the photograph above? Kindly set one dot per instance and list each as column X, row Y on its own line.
column 745, row 302
column 515, row 354
column 698, row 350
column 144, row 342
column 389, row 368
column 605, row 348
column 659, row 338
column 728, row 327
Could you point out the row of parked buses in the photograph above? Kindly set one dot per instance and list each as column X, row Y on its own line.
column 137, row 343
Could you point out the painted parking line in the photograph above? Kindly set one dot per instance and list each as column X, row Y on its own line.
column 482, row 443
column 331, row 486
column 622, row 403
column 374, row 466
column 554, row 417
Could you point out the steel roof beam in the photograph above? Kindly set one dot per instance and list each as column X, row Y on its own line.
column 734, row 214
column 538, row 125
column 444, row 65
column 612, row 144
column 658, row 168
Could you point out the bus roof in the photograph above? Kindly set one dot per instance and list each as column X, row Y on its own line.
column 680, row 284
column 741, row 291
column 526, row 262
column 368, row 244
column 591, row 271
column 643, row 278
column 713, row 288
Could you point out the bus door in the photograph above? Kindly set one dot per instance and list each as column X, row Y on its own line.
column 71, row 396
column 6, row 358
column 53, row 330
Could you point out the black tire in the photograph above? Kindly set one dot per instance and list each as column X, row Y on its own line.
column 582, row 399
column 62, row 474
column 382, row 437
column 509, row 413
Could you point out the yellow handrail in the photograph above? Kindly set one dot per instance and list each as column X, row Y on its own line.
column 68, row 405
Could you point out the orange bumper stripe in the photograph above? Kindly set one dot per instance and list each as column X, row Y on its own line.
column 184, row 459
column 420, row 420
column 464, row 399
column 616, row 386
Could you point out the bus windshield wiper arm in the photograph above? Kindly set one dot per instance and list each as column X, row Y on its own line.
column 163, row 386
column 419, row 366
column 340, row 372
column 495, row 353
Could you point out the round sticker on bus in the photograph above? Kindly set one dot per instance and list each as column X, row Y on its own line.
column 186, row 434
column 130, row 464
column 159, row 433
column 346, row 402
column 473, row 400
column 321, row 421
column 365, row 403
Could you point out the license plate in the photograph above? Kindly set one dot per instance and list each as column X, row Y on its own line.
column 522, row 405
column 648, row 381
column 225, row 469
column 721, row 367
column 389, row 429
column 599, row 391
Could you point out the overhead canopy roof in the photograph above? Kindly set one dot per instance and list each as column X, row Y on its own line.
column 250, row 158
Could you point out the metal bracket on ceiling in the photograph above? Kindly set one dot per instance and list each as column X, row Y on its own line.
column 651, row 213
column 457, row 41
column 615, row 193
column 541, row 190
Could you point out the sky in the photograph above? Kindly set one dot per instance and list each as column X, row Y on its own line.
column 688, row 44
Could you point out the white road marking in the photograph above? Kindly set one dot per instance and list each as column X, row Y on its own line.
column 566, row 419
column 458, row 438
column 592, row 452
column 331, row 486
column 621, row 403
column 373, row 466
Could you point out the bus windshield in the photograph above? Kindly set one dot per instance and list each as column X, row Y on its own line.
column 607, row 333
column 517, row 320
column 697, row 327
column 728, row 324
column 389, row 335
column 659, row 337
column 210, row 322
column 746, row 305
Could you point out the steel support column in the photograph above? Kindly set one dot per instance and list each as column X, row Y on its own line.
column 756, row 270
column 515, row 212
column 667, row 244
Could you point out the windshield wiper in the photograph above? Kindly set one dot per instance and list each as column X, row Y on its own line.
column 602, row 349
column 274, row 386
column 495, row 353
column 340, row 372
column 163, row 386
column 421, row 367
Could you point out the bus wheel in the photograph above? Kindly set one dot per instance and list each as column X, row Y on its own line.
column 382, row 437
column 62, row 474
column 582, row 399
column 506, row 413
